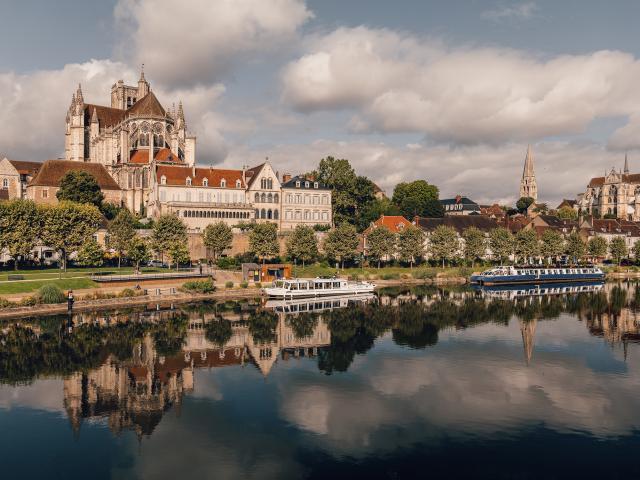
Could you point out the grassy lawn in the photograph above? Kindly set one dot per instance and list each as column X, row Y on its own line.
column 385, row 273
column 53, row 273
column 27, row 287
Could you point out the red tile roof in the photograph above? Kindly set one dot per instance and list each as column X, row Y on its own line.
column 52, row 172
column 178, row 176
column 162, row 155
column 395, row 223
column 26, row 168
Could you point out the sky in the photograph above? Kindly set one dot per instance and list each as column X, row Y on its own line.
column 447, row 91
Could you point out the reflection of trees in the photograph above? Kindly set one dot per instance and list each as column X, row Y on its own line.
column 414, row 329
column 262, row 326
column 303, row 324
column 218, row 331
column 169, row 335
column 618, row 299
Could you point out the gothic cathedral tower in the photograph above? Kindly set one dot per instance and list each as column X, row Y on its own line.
column 528, row 185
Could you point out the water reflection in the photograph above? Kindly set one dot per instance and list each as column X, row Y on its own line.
column 420, row 362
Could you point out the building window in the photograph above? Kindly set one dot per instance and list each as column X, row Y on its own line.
column 298, row 184
column 315, row 184
column 238, row 184
column 276, row 215
column 205, row 182
column 276, row 198
column 188, row 182
column 257, row 197
column 325, row 216
column 306, row 184
column 270, row 198
column 5, row 183
column 223, row 183
column 45, row 193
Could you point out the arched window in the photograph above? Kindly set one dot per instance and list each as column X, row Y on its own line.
column 270, row 198
column 257, row 213
column 223, row 183
column 276, row 215
column 262, row 183
column 5, row 183
column 205, row 182
column 257, row 197
column 263, row 197
column 269, row 214
column 188, row 182
column 263, row 213
column 270, row 184
column 238, row 183
column 276, row 198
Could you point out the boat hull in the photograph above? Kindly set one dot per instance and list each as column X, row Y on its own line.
column 282, row 293
column 535, row 279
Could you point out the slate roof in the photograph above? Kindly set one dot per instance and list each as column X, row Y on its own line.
column 52, row 172
column 458, row 222
column 303, row 184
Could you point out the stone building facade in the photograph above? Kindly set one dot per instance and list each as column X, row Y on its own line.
column 15, row 175
column 305, row 202
column 264, row 192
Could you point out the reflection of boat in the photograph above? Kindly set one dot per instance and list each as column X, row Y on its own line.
column 533, row 290
column 512, row 275
column 317, row 287
column 317, row 305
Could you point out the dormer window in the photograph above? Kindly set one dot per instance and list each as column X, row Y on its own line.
column 315, row 184
column 223, row 183
column 306, row 184
column 205, row 182
column 188, row 181
column 298, row 184
column 238, row 183
column 163, row 180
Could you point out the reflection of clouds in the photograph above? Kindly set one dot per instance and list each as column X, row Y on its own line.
column 474, row 382
column 208, row 388
column 45, row 394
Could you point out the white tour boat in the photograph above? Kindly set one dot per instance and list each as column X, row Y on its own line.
column 317, row 287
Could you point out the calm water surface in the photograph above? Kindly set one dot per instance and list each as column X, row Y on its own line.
column 419, row 383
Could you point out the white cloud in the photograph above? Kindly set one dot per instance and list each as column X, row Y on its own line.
column 397, row 82
column 519, row 11
column 190, row 42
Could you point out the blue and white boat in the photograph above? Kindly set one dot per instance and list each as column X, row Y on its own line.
column 533, row 274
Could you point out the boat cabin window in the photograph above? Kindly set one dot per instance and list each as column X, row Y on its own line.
column 336, row 284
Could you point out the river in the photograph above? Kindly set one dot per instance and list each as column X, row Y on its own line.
column 410, row 383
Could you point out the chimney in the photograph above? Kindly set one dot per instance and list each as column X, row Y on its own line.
column 286, row 177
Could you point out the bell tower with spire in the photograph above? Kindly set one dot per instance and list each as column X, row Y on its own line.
column 528, row 185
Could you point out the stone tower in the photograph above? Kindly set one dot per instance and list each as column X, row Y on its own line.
column 528, row 185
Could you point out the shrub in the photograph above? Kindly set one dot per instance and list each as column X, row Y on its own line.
column 127, row 292
column 28, row 302
column 355, row 277
column 229, row 284
column 244, row 284
column 4, row 303
column 257, row 285
column 390, row 276
column 226, row 263
column 50, row 293
column 199, row 286
column 424, row 274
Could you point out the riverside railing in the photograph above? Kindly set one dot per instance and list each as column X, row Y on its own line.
column 136, row 277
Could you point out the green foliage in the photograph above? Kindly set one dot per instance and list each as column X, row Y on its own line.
column 501, row 242
column 218, row 331
column 217, row 237
column 552, row 244
column 618, row 249
column 411, row 244
column 110, row 210
column 380, row 243
column 636, row 250
column 341, row 243
column 68, row 225
column 199, row 286
column 257, row 285
column 303, row 325
column 567, row 213
column 50, row 293
column 228, row 284
column 302, row 244
column 417, row 198
column 20, row 225
column 375, row 209
column 138, row 251
column 244, row 284
column 527, row 244
column 475, row 244
column 444, row 244
column 91, row 254
column 227, row 263
column 575, row 247
column 81, row 187
column 127, row 293
column 263, row 240
column 523, row 203
column 170, row 236
column 598, row 247
column 610, row 216
column 121, row 232
column 262, row 326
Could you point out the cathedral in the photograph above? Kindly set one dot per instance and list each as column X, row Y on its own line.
column 129, row 138
column 528, row 185
column 616, row 195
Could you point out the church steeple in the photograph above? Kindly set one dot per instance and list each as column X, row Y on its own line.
column 626, row 164
column 528, row 185
column 143, row 85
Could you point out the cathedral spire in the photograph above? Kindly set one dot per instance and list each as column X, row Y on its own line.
column 528, row 185
column 79, row 97
column 143, row 85
column 626, row 164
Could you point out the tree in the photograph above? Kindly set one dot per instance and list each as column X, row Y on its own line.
column 68, row 225
column 444, row 243
column 375, row 209
column 527, row 244
column 178, row 252
column 411, row 244
column 302, row 244
column 341, row 243
column 121, row 232
column 91, row 254
column 501, row 242
column 475, row 244
column 567, row 213
column 168, row 230
column 20, row 225
column 598, row 247
column 636, row 250
column 380, row 242
column 81, row 187
column 523, row 203
column 618, row 249
column 138, row 251
column 575, row 247
column 552, row 244
column 217, row 237
column 417, row 198
column 263, row 241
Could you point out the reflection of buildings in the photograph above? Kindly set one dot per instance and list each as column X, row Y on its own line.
column 616, row 328
column 528, row 329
